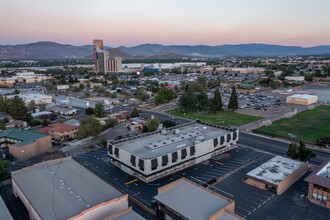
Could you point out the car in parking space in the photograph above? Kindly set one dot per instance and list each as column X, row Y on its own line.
column 172, row 118
column 125, row 105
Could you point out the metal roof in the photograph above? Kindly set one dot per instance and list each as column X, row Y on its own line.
column 191, row 201
column 158, row 144
column 25, row 136
column 4, row 213
column 62, row 188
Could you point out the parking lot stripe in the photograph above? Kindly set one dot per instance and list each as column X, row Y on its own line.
column 238, row 207
column 240, row 214
column 131, row 181
column 219, row 163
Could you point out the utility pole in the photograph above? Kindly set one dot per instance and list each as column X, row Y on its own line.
column 169, row 112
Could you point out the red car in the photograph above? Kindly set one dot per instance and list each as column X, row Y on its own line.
column 140, row 110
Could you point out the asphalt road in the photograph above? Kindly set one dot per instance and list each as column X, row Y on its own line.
column 275, row 146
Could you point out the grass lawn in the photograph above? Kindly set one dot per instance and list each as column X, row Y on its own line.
column 225, row 118
column 308, row 125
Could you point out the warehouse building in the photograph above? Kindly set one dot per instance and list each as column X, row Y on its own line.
column 277, row 174
column 301, row 99
column 184, row 199
column 64, row 189
column 25, row 144
column 36, row 97
column 157, row 154
column 319, row 184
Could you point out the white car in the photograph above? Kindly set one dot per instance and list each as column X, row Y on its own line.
column 125, row 105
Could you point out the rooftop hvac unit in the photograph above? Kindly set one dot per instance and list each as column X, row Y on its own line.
column 200, row 138
column 164, row 132
column 204, row 127
column 176, row 131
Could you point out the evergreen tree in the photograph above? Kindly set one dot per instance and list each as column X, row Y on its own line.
column 217, row 101
column 135, row 113
column 233, row 101
column 18, row 110
column 292, row 151
column 4, row 104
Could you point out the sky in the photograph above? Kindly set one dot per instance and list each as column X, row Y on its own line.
column 168, row 22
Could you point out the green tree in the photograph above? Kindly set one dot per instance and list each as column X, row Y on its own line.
column 110, row 123
column 44, row 123
column 233, row 101
column 152, row 124
column 89, row 111
column 159, row 99
column 81, row 86
column 17, row 109
column 99, row 110
column 303, row 153
column 3, row 172
column 141, row 94
column 292, row 151
column 32, row 104
column 5, row 104
column 42, row 107
column 202, row 80
column 169, row 123
column 217, row 101
column 135, row 113
column 89, row 127
column 16, row 91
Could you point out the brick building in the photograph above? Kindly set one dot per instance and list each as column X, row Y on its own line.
column 59, row 131
column 319, row 184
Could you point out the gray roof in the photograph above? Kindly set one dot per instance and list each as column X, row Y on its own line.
column 4, row 213
column 60, row 189
column 128, row 215
column 191, row 201
column 158, row 144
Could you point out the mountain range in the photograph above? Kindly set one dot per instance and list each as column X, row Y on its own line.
column 52, row 50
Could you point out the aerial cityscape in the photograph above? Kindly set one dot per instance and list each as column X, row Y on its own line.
column 128, row 110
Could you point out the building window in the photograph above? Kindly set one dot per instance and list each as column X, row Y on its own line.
column 141, row 164
column 164, row 160
column 215, row 142
column 192, row 150
column 319, row 197
column 174, row 157
column 222, row 140
column 314, row 196
column 110, row 149
column 235, row 135
column 183, row 153
column 228, row 137
column 117, row 152
column 133, row 160
column 154, row 164
column 325, row 199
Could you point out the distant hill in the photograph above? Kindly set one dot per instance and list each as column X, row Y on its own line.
column 166, row 56
column 226, row 50
column 43, row 50
column 51, row 50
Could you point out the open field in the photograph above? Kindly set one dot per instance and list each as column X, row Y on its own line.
column 308, row 125
column 224, row 118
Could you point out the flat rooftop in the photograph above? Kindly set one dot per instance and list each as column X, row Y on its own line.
column 62, row 188
column 275, row 170
column 158, row 144
column 30, row 96
column 128, row 214
column 191, row 201
column 302, row 96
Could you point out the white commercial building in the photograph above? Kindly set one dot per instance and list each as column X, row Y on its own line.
column 301, row 99
column 36, row 97
column 295, row 78
column 156, row 154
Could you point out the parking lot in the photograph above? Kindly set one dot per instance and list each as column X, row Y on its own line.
column 202, row 173
column 230, row 168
